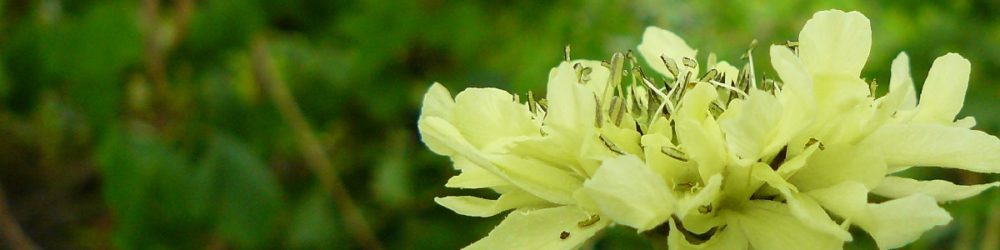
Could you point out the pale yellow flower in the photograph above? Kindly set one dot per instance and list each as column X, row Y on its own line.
column 716, row 159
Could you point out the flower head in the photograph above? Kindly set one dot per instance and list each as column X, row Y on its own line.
column 709, row 155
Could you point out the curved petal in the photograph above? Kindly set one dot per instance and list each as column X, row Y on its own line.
column 893, row 223
column 629, row 193
column 803, row 207
column 901, row 221
column 707, row 196
column 724, row 238
column 538, row 178
column 699, row 133
column 897, row 187
column 900, row 80
column 837, row 164
column 487, row 115
column 905, row 145
column 770, row 225
column 836, row 43
column 751, row 131
column 658, row 42
column 673, row 170
column 944, row 90
column 437, row 102
column 796, row 97
column 473, row 176
column 479, row 207
column 571, row 105
column 548, row 228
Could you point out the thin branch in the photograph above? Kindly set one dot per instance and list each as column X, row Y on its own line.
column 11, row 231
column 318, row 161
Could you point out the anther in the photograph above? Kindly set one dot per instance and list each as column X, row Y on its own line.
column 671, row 65
column 689, row 62
column 674, row 153
column 611, row 145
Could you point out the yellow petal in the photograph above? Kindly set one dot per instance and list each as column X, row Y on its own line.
column 538, row 178
column 839, row 163
column 571, row 105
column 944, row 90
column 770, row 225
column 897, row 187
column 728, row 70
column 597, row 80
column 724, row 238
column 631, row 194
column 893, row 223
column 658, row 42
column 559, row 148
column 754, row 128
column 699, row 134
column 967, row 122
column 898, row 222
column 792, row 165
column 936, row 145
column 708, row 196
column 901, row 80
column 479, row 207
column 803, row 207
column 796, row 97
column 437, row 102
column 487, row 115
column 673, row 170
column 443, row 138
column 835, row 43
column 473, row 176
column 549, row 228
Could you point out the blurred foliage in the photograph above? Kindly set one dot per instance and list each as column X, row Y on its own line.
column 139, row 124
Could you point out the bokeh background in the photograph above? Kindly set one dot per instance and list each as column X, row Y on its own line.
column 221, row 124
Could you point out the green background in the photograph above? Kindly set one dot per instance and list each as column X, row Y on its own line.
column 140, row 124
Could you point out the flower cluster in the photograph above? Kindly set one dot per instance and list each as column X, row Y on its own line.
column 708, row 155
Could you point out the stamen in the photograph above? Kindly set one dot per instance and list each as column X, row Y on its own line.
column 872, row 87
column 566, row 55
column 712, row 60
column 709, row 75
column 616, row 110
column 611, row 145
column 671, row 65
column 814, row 141
column 674, row 153
column 598, row 118
column 705, row 209
column 689, row 62
column 532, row 103
column 589, row 221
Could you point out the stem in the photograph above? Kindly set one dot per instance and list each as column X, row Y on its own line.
column 316, row 159
column 11, row 231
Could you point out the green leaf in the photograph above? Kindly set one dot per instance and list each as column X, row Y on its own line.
column 247, row 195
column 314, row 225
